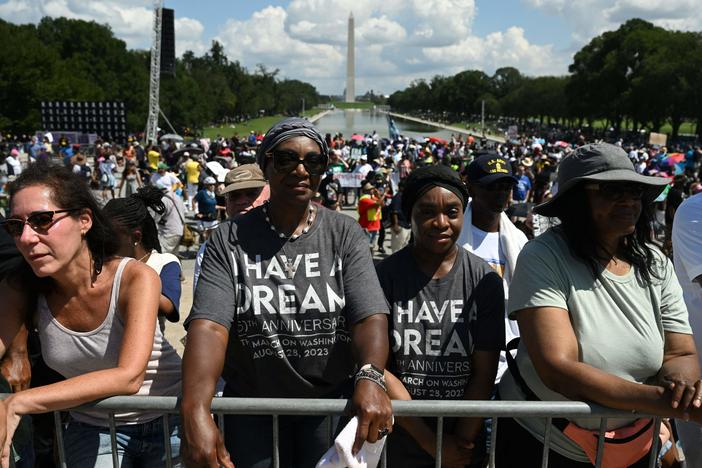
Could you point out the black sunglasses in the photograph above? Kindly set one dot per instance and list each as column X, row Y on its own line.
column 616, row 191
column 40, row 221
column 285, row 162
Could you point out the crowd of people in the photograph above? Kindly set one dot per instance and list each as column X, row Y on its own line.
column 533, row 270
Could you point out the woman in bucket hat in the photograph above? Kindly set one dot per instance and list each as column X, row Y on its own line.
column 602, row 319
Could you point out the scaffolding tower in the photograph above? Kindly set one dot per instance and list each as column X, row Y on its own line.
column 151, row 133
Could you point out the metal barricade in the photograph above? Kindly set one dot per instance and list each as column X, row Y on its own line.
column 439, row 409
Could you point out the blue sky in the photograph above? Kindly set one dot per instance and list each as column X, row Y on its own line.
column 398, row 41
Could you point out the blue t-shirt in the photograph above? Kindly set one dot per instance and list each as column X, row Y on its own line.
column 521, row 188
column 206, row 204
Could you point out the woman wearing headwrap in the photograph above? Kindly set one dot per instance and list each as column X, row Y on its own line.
column 447, row 313
column 288, row 305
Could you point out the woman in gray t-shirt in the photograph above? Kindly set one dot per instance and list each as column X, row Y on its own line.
column 447, row 321
column 287, row 305
column 600, row 312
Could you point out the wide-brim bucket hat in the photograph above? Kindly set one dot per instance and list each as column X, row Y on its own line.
column 598, row 162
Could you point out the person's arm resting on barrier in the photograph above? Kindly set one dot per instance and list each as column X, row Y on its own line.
column 213, row 309
column 453, row 453
column 553, row 348
column 370, row 402
column 203, row 361
column 138, row 305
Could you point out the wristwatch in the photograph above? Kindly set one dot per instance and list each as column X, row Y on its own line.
column 372, row 373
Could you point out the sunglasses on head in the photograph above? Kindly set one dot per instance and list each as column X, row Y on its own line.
column 40, row 221
column 616, row 191
column 285, row 162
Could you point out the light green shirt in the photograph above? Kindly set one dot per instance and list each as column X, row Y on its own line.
column 619, row 321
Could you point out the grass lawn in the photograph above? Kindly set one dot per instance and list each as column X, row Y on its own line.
column 243, row 128
column 353, row 105
column 686, row 127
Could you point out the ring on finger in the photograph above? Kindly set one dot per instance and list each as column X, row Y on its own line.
column 383, row 432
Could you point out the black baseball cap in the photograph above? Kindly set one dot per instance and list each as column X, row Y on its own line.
column 487, row 167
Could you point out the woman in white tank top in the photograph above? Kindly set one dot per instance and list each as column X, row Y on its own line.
column 96, row 318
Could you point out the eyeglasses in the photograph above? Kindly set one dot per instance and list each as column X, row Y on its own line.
column 285, row 162
column 617, row 191
column 40, row 221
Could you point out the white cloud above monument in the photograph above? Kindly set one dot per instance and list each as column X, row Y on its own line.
column 397, row 41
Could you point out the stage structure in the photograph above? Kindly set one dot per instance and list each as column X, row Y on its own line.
column 151, row 132
column 107, row 119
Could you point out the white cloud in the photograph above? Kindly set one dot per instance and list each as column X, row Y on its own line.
column 188, row 33
column 397, row 41
column 589, row 18
column 130, row 20
column 498, row 49
column 263, row 39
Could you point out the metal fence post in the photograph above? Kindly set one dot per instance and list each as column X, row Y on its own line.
column 167, row 439
column 600, row 443
column 547, row 443
column 276, row 453
column 653, row 458
column 113, row 440
column 439, row 440
column 493, row 441
column 59, row 439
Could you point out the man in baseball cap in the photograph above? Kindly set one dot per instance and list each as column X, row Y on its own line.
column 487, row 230
column 245, row 188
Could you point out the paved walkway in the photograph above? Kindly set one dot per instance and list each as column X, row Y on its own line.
column 464, row 131
column 318, row 116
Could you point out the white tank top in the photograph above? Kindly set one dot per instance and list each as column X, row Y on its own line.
column 72, row 353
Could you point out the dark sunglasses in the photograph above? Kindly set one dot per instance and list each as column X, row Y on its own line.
column 285, row 162
column 40, row 221
column 616, row 191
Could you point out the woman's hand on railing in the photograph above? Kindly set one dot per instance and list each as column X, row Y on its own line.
column 685, row 394
column 455, row 453
column 8, row 425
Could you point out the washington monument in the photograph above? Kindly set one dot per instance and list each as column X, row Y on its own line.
column 351, row 64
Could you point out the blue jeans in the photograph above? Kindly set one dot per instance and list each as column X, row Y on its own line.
column 138, row 445
column 372, row 236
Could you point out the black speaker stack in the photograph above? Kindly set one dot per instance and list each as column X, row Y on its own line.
column 168, row 58
column 108, row 119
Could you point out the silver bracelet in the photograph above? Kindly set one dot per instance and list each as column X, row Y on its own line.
column 372, row 373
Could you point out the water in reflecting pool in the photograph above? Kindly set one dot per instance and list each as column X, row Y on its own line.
column 352, row 121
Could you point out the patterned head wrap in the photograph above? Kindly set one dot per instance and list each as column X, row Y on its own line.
column 286, row 129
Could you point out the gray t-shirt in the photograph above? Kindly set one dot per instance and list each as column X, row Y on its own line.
column 435, row 326
column 170, row 222
column 619, row 322
column 288, row 337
